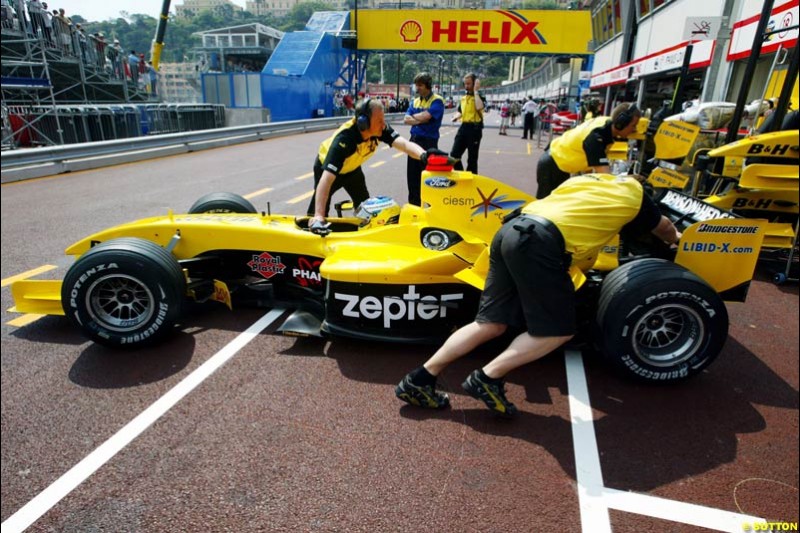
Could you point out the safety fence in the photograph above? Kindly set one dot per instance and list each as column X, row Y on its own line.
column 28, row 126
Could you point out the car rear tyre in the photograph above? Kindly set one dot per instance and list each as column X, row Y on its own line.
column 222, row 202
column 658, row 322
column 124, row 292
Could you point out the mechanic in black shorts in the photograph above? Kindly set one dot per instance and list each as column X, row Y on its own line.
column 584, row 149
column 339, row 159
column 529, row 285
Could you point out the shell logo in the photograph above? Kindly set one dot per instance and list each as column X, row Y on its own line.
column 411, row 31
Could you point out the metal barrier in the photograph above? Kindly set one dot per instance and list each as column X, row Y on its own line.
column 49, row 160
column 92, row 123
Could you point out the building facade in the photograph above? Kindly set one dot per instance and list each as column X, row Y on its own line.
column 190, row 8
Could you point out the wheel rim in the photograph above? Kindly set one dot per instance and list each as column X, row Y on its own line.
column 120, row 302
column 668, row 335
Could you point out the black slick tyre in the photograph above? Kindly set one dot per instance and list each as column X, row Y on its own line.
column 222, row 202
column 659, row 322
column 124, row 292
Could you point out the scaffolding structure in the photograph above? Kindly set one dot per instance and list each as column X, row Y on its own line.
column 50, row 65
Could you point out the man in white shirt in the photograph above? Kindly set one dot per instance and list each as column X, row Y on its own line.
column 529, row 110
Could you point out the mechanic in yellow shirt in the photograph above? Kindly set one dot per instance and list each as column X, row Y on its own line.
column 339, row 159
column 529, row 284
column 469, row 135
column 584, row 149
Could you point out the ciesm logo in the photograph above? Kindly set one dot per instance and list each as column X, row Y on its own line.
column 409, row 306
column 440, row 183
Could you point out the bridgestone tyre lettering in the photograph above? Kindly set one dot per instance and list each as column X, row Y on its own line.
column 222, row 202
column 124, row 292
column 658, row 322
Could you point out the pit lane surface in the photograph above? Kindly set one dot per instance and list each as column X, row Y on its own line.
column 306, row 435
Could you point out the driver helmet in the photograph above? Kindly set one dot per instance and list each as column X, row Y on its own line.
column 378, row 211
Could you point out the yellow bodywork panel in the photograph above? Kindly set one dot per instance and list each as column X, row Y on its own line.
column 775, row 177
column 674, row 139
column 776, row 144
column 618, row 151
column 42, row 297
column 723, row 252
column 778, row 235
column 666, row 178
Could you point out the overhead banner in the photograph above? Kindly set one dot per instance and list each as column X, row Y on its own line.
column 467, row 30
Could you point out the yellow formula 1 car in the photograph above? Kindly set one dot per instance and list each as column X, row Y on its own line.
column 402, row 275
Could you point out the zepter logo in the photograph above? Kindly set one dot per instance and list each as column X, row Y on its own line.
column 411, row 31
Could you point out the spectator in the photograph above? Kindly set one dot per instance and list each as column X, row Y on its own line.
column 113, row 53
column 505, row 113
column 47, row 21
column 528, row 111
column 100, row 47
column 469, row 135
column 425, row 119
column 133, row 66
column 515, row 111
column 64, row 25
column 347, row 100
column 36, row 13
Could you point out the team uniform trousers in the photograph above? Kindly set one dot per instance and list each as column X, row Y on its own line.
column 468, row 139
column 414, row 169
column 548, row 175
column 355, row 183
column 528, row 284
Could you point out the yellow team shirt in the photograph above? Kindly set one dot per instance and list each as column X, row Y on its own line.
column 567, row 151
column 589, row 211
column 468, row 112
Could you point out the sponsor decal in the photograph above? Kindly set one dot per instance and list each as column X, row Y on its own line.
column 455, row 200
column 490, row 203
column 516, row 30
column 697, row 209
column 73, row 295
column 440, row 183
column 774, row 149
column 266, row 265
column 709, row 228
column 162, row 313
column 411, row 31
column 710, row 247
column 306, row 273
column 410, row 306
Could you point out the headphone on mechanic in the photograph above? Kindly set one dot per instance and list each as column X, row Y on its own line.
column 364, row 114
column 625, row 117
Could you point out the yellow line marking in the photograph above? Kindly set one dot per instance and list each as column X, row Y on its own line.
column 24, row 320
column 304, row 196
column 399, row 154
column 529, row 148
column 304, row 176
column 257, row 193
column 376, row 165
column 28, row 274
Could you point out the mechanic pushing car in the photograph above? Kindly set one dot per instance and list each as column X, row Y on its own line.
column 529, row 285
column 584, row 149
column 338, row 162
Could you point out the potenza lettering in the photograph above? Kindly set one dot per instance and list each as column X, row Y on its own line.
column 409, row 306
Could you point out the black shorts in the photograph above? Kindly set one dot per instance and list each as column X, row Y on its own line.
column 548, row 175
column 528, row 283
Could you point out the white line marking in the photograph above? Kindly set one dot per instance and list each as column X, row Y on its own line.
column 50, row 496
column 595, row 500
column 685, row 513
column 594, row 513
